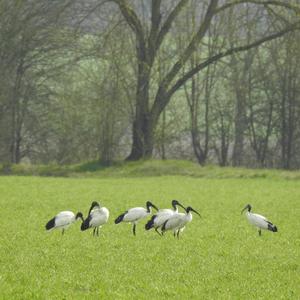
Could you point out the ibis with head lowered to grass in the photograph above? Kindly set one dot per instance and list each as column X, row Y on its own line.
column 178, row 221
column 162, row 216
column 258, row 221
column 133, row 215
column 97, row 217
column 63, row 220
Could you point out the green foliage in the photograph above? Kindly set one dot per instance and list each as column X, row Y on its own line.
column 219, row 256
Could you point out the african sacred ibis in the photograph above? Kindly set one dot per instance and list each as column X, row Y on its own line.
column 178, row 221
column 258, row 220
column 63, row 220
column 133, row 215
column 162, row 216
column 97, row 217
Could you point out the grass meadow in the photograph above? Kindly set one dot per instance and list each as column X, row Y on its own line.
column 219, row 256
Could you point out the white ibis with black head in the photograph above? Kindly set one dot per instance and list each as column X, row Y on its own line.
column 133, row 215
column 178, row 221
column 63, row 220
column 162, row 216
column 258, row 221
column 97, row 217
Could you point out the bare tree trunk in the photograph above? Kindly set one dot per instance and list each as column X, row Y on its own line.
column 242, row 90
column 163, row 150
column 240, row 126
column 15, row 138
column 224, row 143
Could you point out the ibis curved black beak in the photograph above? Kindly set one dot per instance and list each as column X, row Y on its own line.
column 196, row 212
column 154, row 207
column 248, row 207
column 176, row 202
column 150, row 204
column 191, row 209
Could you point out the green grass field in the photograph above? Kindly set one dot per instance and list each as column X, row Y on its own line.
column 218, row 257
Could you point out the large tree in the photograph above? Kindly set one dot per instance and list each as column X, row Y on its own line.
column 149, row 38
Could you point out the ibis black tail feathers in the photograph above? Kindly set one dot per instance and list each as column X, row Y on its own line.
column 120, row 218
column 150, row 223
column 272, row 227
column 50, row 224
column 85, row 224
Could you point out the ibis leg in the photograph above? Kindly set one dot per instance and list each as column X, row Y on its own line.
column 97, row 231
column 156, row 229
column 63, row 231
column 259, row 232
column 94, row 231
column 133, row 229
column 178, row 231
column 174, row 233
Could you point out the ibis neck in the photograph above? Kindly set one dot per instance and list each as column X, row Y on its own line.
column 248, row 213
column 189, row 216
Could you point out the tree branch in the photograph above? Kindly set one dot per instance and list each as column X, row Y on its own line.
column 160, row 100
column 155, row 22
column 217, row 57
column 271, row 2
column 168, row 23
column 132, row 20
column 192, row 45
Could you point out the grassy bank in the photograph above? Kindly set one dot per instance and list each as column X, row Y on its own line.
column 145, row 169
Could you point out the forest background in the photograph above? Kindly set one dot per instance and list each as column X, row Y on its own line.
column 217, row 82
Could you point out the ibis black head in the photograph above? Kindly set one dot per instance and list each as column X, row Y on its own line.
column 176, row 202
column 79, row 215
column 94, row 204
column 188, row 209
column 150, row 204
column 248, row 207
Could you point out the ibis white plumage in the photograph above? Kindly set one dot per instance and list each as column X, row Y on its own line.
column 162, row 216
column 133, row 215
column 63, row 220
column 258, row 221
column 178, row 221
column 97, row 217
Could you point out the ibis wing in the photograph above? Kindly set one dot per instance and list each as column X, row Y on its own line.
column 98, row 217
column 260, row 217
column 64, row 218
column 259, row 221
column 165, row 211
column 162, row 218
column 135, row 214
column 174, row 222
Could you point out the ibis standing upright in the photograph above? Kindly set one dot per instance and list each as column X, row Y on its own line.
column 133, row 215
column 258, row 221
column 162, row 216
column 63, row 220
column 178, row 221
column 97, row 217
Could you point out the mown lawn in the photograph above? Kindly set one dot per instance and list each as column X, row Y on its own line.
column 218, row 257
